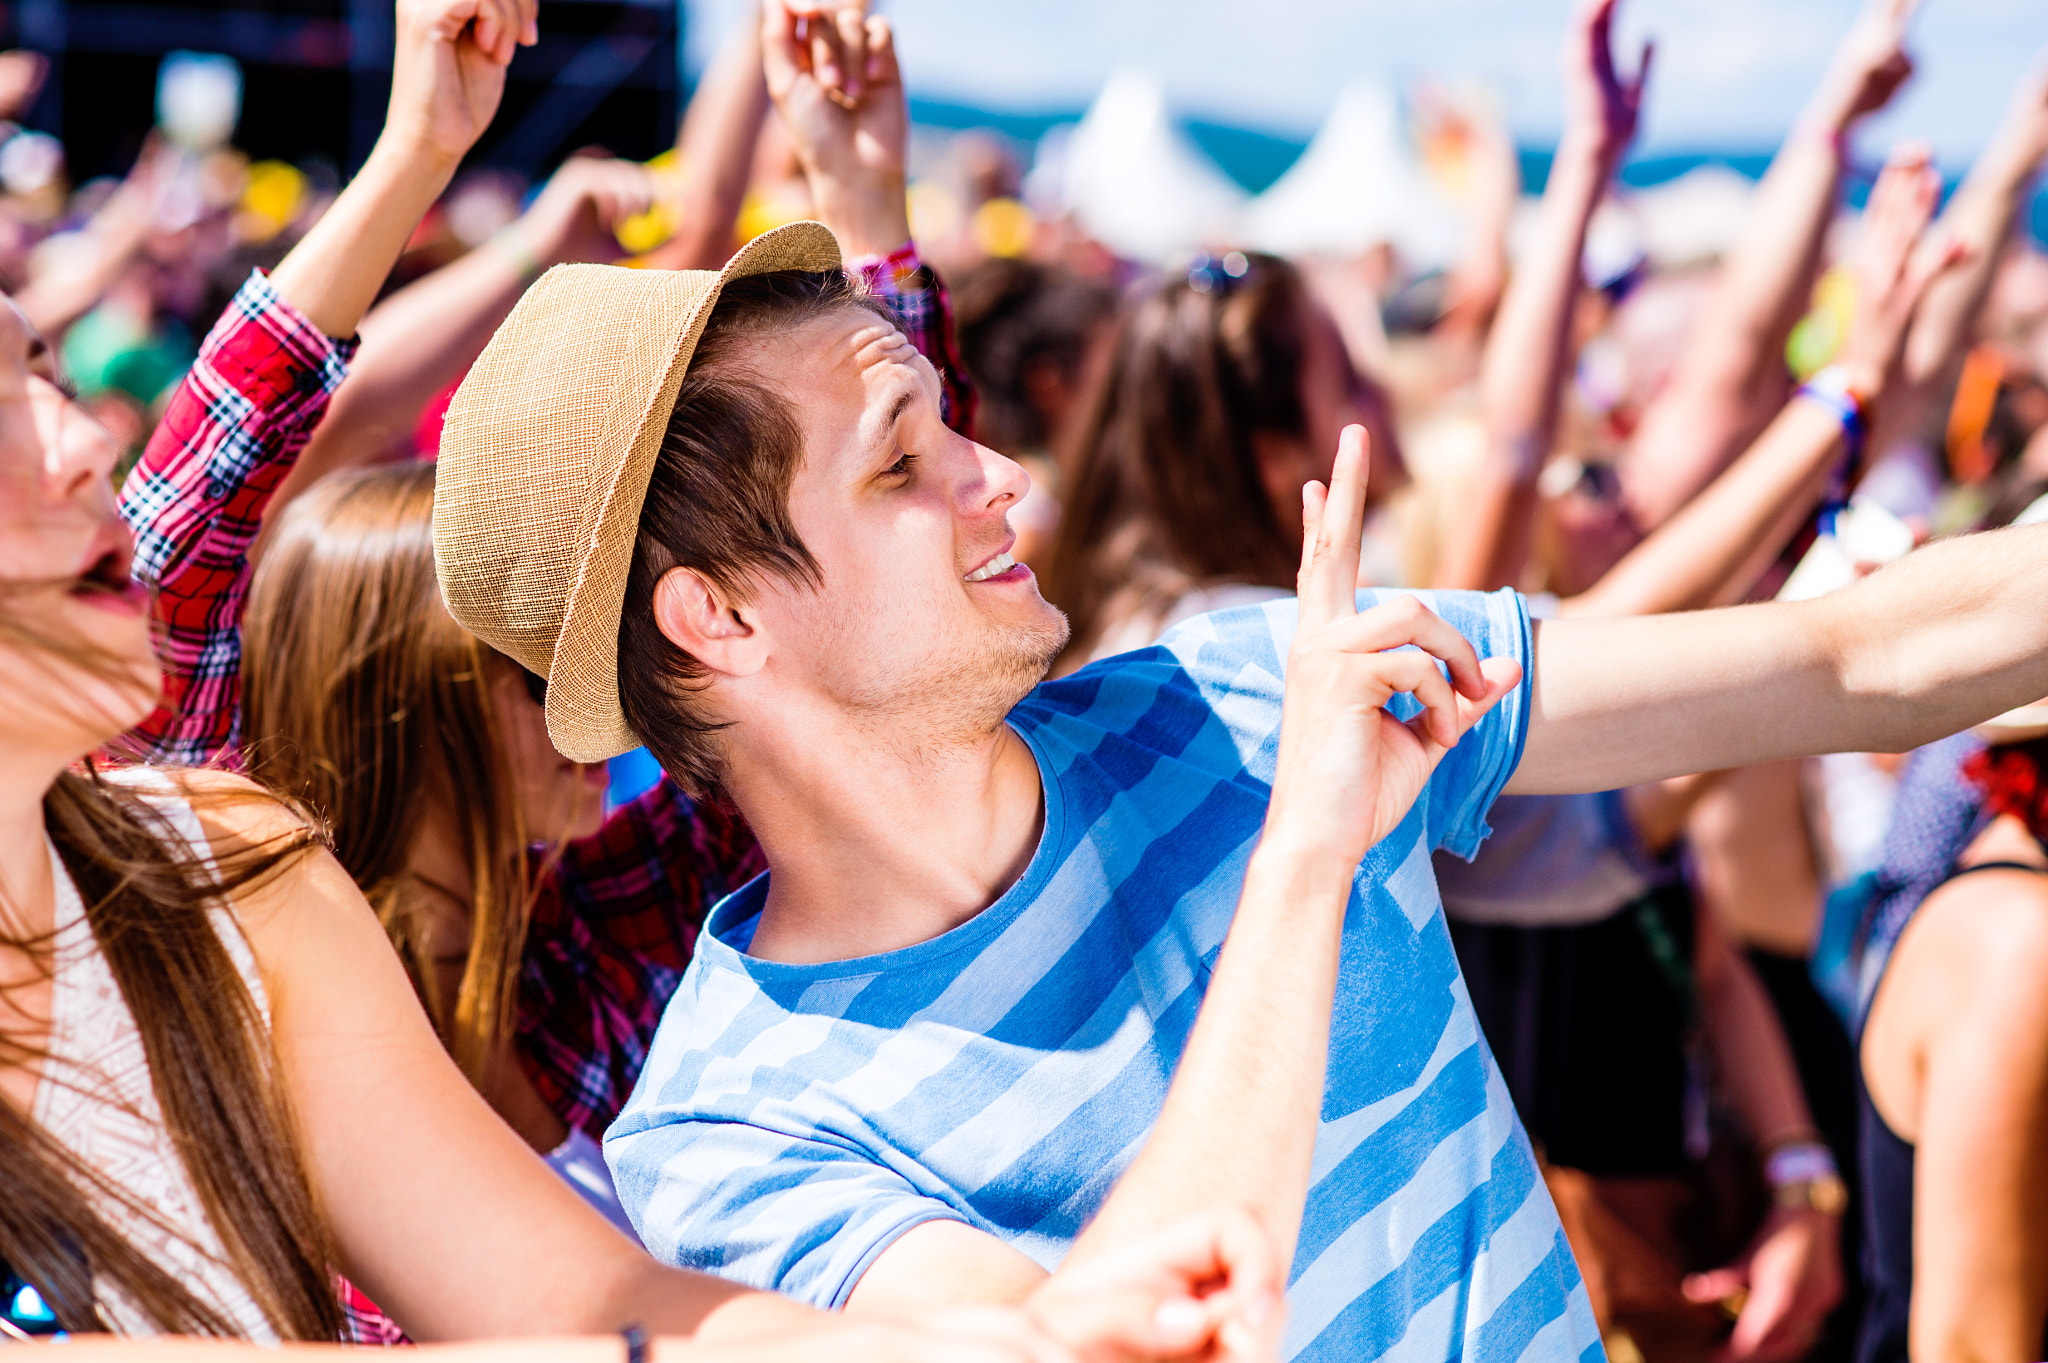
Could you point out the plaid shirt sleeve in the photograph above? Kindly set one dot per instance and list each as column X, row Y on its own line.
column 196, row 498
column 916, row 294
column 611, row 933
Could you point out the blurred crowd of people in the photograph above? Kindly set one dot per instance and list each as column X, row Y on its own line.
column 334, row 897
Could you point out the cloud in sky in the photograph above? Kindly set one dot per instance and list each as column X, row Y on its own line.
column 1731, row 74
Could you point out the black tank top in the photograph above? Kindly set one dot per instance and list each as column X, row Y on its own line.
column 1886, row 1190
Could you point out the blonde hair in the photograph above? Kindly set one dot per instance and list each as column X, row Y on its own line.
column 365, row 701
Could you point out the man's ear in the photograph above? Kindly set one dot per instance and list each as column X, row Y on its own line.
column 698, row 618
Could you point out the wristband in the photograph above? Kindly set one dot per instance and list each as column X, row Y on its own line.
column 1800, row 1162
column 511, row 242
column 1831, row 389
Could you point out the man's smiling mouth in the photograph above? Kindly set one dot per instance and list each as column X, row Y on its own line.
column 995, row 567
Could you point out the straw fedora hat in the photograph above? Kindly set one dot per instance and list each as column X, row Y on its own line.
column 545, row 459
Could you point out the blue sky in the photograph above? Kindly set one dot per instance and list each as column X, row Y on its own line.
column 1730, row 74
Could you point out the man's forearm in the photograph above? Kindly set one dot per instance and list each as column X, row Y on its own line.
column 1239, row 1123
column 1945, row 638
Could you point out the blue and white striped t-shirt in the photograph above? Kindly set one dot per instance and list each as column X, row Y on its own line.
column 793, row 1120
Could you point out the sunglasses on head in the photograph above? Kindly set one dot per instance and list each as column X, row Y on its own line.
column 536, row 686
column 1218, row 274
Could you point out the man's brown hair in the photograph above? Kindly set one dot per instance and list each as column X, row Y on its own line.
column 718, row 503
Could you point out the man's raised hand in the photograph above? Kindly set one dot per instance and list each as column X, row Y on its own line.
column 448, row 70
column 1348, row 770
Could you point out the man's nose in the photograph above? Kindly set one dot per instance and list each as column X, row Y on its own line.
column 1002, row 481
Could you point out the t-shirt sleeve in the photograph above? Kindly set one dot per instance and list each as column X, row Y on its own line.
column 1237, row 660
column 1471, row 775
column 803, row 1215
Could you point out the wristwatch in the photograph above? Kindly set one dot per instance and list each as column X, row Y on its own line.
column 1802, row 1176
column 1827, row 1195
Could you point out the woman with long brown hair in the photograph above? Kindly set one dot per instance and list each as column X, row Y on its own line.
column 1226, row 390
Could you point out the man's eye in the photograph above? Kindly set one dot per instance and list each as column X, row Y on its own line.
column 905, row 461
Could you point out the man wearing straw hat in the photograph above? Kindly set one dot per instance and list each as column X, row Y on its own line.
column 928, row 1054
column 981, row 1022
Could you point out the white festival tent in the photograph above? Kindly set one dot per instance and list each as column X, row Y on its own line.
column 1693, row 218
column 1138, row 184
column 1357, row 186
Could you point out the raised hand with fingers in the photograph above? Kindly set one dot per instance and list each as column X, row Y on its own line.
column 1868, row 68
column 1893, row 272
column 576, row 216
column 832, row 72
column 448, row 69
column 1602, row 107
column 1349, row 771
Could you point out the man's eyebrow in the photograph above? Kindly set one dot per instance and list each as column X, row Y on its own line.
column 896, row 411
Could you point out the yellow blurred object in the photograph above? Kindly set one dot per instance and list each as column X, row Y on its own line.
column 1004, row 227
column 1818, row 336
column 766, row 212
column 934, row 212
column 271, row 196
column 643, row 232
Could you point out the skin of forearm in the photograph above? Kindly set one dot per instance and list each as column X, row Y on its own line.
column 1657, row 812
column 53, row 302
column 868, row 213
column 1710, row 406
column 716, row 149
column 1714, row 549
column 1239, row 1122
column 1750, row 1051
column 414, row 344
column 1943, row 639
column 1981, row 216
column 1526, row 356
column 333, row 274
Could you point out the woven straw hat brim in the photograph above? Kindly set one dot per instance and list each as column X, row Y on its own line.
column 546, row 454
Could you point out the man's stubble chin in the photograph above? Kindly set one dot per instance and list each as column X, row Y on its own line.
column 956, row 694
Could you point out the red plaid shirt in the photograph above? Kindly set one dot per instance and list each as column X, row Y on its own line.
column 613, row 928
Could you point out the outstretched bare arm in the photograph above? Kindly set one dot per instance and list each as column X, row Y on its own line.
column 1943, row 639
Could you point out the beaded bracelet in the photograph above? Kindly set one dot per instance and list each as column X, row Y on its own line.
column 1831, row 389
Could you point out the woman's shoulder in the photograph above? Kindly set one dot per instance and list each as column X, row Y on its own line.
column 1978, row 933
